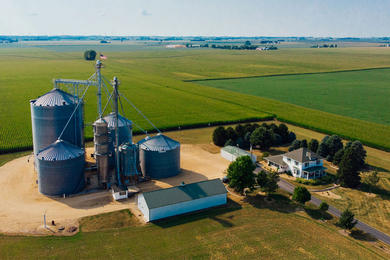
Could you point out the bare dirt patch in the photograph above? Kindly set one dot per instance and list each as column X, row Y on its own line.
column 371, row 195
column 23, row 208
column 344, row 232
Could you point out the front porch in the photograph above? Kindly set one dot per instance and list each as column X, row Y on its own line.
column 313, row 172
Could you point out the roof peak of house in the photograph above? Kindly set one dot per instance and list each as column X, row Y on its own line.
column 303, row 155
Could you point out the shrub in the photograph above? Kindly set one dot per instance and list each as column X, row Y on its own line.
column 265, row 154
column 230, row 142
column 219, row 136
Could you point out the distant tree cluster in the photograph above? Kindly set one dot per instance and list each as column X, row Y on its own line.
column 242, row 47
column 90, row 55
column 189, row 45
column 324, row 46
column 264, row 136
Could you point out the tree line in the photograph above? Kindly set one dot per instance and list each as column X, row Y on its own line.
column 262, row 136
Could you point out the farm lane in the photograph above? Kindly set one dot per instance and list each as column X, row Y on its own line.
column 361, row 225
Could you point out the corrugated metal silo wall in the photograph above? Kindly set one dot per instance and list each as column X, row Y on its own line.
column 48, row 123
column 160, row 165
column 123, row 138
column 129, row 161
column 56, row 178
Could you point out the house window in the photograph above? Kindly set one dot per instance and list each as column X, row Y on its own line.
column 296, row 163
column 318, row 162
column 307, row 164
column 122, row 193
column 288, row 159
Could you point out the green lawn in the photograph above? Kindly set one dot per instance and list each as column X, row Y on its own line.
column 358, row 94
column 247, row 230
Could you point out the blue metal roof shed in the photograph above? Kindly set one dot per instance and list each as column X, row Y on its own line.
column 182, row 199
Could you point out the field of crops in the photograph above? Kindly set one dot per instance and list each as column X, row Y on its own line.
column 153, row 81
column 358, row 94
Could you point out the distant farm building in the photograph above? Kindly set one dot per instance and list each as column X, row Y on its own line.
column 182, row 199
column 171, row 46
column 231, row 153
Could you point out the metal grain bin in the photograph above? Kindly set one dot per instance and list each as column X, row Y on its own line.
column 125, row 130
column 49, row 115
column 100, row 133
column 61, row 169
column 159, row 156
column 129, row 159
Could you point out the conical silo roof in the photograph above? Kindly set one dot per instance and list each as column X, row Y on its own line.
column 110, row 119
column 55, row 97
column 60, row 151
column 158, row 142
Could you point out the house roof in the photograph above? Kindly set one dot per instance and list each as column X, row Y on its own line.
column 179, row 194
column 314, row 169
column 303, row 155
column 278, row 159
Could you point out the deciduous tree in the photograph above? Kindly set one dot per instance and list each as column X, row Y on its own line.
column 313, row 145
column 323, row 207
column 90, row 55
column 263, row 137
column 301, row 195
column 372, row 179
column 240, row 173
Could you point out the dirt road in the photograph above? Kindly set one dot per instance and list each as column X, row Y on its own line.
column 22, row 208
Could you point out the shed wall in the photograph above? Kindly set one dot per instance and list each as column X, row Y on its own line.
column 188, row 206
column 143, row 207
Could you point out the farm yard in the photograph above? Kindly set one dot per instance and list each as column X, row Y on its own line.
column 156, row 79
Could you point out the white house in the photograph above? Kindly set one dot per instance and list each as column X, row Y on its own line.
column 302, row 163
column 182, row 199
column 119, row 193
column 231, row 153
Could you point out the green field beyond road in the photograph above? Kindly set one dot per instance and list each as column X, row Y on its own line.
column 362, row 94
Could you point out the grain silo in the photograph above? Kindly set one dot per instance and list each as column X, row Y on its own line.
column 61, row 169
column 129, row 162
column 125, row 130
column 101, row 143
column 159, row 156
column 49, row 114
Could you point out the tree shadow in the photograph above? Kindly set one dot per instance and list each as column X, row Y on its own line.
column 363, row 236
column 216, row 214
column 281, row 201
column 317, row 214
column 385, row 194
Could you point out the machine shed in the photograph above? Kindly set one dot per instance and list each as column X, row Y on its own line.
column 231, row 153
column 182, row 199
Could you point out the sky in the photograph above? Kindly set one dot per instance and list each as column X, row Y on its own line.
column 325, row 18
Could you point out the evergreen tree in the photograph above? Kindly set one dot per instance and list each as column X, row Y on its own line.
column 283, row 131
column 230, row 142
column 346, row 220
column 323, row 150
column 274, row 128
column 240, row 142
column 248, row 128
column 359, row 152
column 313, row 145
column 338, row 156
column 219, row 136
column 296, row 144
column 240, row 173
column 240, row 131
column 334, row 144
column 303, row 143
column 278, row 139
column 231, row 133
column 291, row 136
column 348, row 169
column 247, row 139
